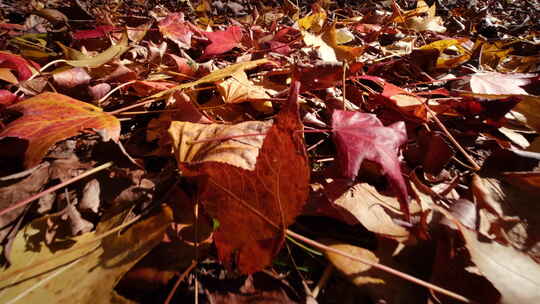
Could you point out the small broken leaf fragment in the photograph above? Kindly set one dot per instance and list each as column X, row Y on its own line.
column 51, row 117
column 277, row 188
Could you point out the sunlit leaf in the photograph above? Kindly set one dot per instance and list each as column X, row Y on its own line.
column 114, row 51
column 51, row 117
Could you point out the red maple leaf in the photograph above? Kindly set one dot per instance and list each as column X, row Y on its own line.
column 254, row 207
column 362, row 136
column 223, row 41
column 175, row 28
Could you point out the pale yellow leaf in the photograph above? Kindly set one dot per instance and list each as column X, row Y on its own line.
column 237, row 145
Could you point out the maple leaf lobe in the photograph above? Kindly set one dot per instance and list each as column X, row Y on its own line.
column 362, row 136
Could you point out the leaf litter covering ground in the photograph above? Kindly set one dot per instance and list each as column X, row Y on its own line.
column 404, row 133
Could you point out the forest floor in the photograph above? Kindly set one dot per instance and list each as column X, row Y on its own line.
column 284, row 151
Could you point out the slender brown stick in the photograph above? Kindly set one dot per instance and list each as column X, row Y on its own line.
column 132, row 106
column 54, row 188
column 179, row 280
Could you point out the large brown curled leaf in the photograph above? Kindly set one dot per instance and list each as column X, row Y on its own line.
column 277, row 189
column 51, row 117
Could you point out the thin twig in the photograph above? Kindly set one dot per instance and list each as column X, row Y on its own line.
column 102, row 99
column 133, row 106
column 179, row 280
column 475, row 166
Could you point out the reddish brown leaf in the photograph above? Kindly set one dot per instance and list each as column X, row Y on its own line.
column 50, row 117
column 399, row 99
column 362, row 136
column 277, row 188
column 17, row 63
column 175, row 28
column 7, row 98
column 323, row 74
column 223, row 41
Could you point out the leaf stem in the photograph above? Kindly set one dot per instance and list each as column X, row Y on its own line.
column 473, row 163
column 102, row 99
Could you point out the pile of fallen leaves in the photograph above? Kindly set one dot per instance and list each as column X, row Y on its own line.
column 270, row 151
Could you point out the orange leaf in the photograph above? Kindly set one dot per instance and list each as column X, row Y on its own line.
column 277, row 189
column 51, row 117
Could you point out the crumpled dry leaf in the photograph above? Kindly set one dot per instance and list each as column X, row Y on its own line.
column 361, row 136
column 90, row 200
column 327, row 46
column 324, row 51
column 423, row 18
column 459, row 54
column 238, row 88
column 237, row 145
column 314, row 21
column 374, row 210
column 175, row 28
